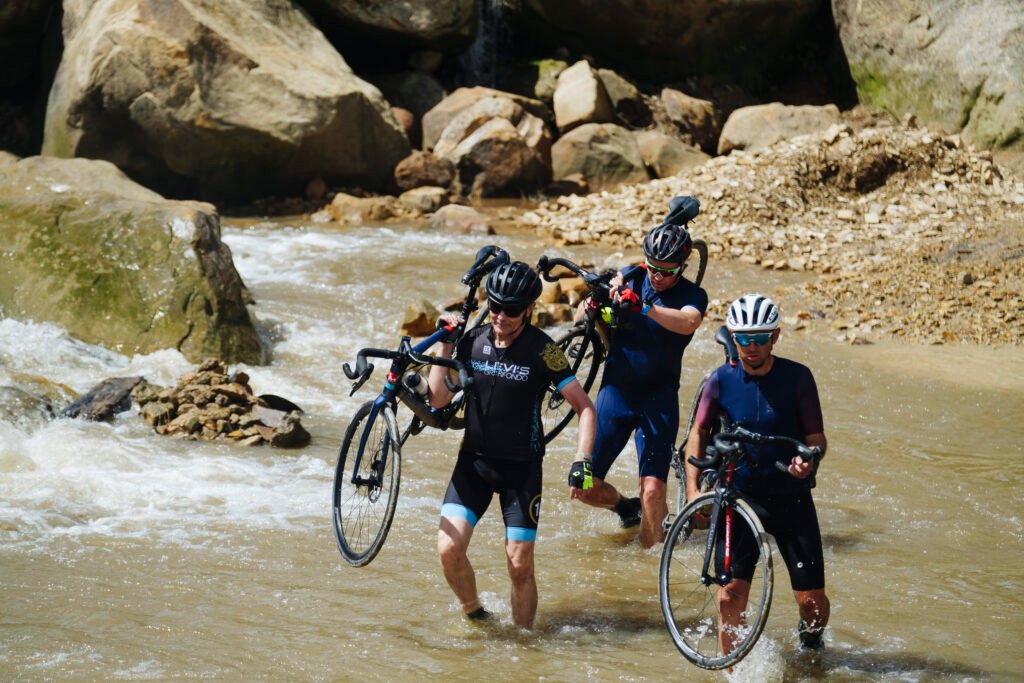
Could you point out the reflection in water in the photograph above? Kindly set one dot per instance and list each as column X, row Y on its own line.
column 131, row 556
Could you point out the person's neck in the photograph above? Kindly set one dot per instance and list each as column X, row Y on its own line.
column 763, row 369
column 504, row 341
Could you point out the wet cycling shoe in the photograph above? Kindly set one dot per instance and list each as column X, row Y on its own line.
column 479, row 614
column 628, row 510
column 810, row 639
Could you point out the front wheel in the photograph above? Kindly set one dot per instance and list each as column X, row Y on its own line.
column 690, row 599
column 585, row 353
column 366, row 482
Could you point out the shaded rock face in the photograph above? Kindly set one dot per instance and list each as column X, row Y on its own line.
column 116, row 264
column 438, row 23
column 216, row 98
column 606, row 155
column 665, row 39
column 21, row 32
column 956, row 65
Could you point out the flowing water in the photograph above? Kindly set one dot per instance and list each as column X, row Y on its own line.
column 124, row 555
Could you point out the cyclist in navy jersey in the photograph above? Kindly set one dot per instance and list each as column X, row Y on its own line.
column 639, row 389
column 776, row 396
column 512, row 364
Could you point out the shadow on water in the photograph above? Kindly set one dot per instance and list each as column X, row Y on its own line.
column 845, row 665
column 609, row 621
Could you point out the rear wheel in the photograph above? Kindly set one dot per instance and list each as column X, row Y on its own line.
column 585, row 354
column 366, row 481
column 689, row 601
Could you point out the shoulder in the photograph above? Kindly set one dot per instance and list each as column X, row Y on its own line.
column 791, row 367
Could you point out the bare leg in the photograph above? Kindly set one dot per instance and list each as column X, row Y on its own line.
column 653, row 492
column 452, row 543
column 524, row 582
column 732, row 600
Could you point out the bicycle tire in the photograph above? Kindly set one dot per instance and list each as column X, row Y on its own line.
column 585, row 354
column 690, row 608
column 363, row 513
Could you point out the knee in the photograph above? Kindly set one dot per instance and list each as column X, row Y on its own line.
column 450, row 552
column 652, row 493
column 520, row 570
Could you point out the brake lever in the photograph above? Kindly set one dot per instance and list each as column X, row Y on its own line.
column 362, row 379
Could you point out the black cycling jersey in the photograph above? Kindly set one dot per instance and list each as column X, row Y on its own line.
column 503, row 412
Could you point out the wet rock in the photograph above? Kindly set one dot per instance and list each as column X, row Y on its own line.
column 102, row 402
column 212, row 404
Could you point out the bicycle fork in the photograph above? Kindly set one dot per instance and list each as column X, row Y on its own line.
column 373, row 482
column 721, row 495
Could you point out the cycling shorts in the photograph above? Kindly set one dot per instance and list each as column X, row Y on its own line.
column 793, row 521
column 653, row 419
column 518, row 483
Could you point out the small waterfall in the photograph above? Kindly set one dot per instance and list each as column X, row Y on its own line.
column 481, row 63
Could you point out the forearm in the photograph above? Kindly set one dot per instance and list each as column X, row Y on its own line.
column 685, row 321
column 586, row 428
column 695, row 445
column 818, row 440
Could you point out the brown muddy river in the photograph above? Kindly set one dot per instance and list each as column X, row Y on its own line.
column 124, row 555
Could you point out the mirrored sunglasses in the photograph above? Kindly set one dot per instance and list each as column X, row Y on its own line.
column 511, row 310
column 664, row 272
column 759, row 339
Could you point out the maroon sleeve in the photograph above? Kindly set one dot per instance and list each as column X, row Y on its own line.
column 809, row 406
column 709, row 406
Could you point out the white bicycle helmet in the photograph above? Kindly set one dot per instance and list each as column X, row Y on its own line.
column 752, row 313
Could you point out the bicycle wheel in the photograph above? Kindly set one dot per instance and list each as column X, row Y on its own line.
column 585, row 354
column 690, row 604
column 366, row 485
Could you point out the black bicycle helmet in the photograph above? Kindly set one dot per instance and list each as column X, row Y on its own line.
column 514, row 284
column 668, row 242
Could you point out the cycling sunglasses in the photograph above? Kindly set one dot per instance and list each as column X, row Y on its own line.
column 511, row 310
column 759, row 339
column 664, row 272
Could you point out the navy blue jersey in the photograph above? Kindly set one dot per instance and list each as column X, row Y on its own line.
column 783, row 402
column 644, row 354
column 503, row 412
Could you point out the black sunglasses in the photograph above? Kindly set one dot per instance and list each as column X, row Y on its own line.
column 511, row 310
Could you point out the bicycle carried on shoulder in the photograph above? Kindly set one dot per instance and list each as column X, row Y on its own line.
column 585, row 343
column 368, row 471
column 712, row 539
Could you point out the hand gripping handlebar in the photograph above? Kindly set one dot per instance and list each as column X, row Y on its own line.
column 728, row 444
column 364, row 368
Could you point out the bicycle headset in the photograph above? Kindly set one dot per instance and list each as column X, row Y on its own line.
column 752, row 313
column 513, row 284
column 668, row 242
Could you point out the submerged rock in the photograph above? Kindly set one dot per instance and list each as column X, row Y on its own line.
column 106, row 399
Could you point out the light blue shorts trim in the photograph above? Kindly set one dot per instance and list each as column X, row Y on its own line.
column 564, row 382
column 459, row 512
column 518, row 533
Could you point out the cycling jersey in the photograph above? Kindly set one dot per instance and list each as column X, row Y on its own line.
column 503, row 412
column 643, row 354
column 783, row 402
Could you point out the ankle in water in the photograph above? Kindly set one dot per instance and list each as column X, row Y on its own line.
column 479, row 614
column 810, row 638
column 628, row 510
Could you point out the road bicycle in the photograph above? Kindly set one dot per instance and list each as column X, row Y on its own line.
column 585, row 343
column 368, row 471
column 700, row 554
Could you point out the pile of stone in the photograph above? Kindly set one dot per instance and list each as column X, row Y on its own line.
column 211, row 404
column 911, row 233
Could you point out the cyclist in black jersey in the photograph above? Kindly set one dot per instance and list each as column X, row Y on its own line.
column 512, row 363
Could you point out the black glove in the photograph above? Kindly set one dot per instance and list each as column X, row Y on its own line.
column 581, row 475
column 451, row 334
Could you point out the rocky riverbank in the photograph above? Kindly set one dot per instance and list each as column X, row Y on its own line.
column 911, row 234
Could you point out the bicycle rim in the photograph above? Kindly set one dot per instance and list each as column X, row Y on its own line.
column 585, row 358
column 690, row 608
column 363, row 511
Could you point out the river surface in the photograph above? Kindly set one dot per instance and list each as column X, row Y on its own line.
column 124, row 555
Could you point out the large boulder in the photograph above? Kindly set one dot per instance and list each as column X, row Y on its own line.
column 667, row 156
column 580, row 97
column 440, row 23
column 438, row 118
column 117, row 264
column 955, row 65
column 763, row 125
column 604, row 154
column 224, row 100
column 666, row 39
